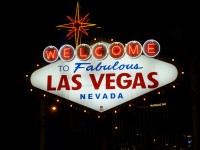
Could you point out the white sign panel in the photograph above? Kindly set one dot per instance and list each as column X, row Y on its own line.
column 103, row 84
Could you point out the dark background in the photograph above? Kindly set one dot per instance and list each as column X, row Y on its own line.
column 32, row 26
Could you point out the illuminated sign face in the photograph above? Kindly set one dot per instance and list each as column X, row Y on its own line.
column 104, row 75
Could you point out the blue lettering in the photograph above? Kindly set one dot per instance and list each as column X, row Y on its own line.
column 101, row 96
column 99, row 66
column 105, row 96
column 120, row 96
column 90, row 68
column 136, row 67
column 90, row 96
column 78, row 66
column 121, row 67
column 115, row 64
column 82, row 96
column 112, row 95
column 97, row 96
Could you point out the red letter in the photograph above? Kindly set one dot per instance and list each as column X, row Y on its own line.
column 116, row 50
column 138, row 77
column 83, row 51
column 98, row 51
column 74, row 79
column 109, row 80
column 66, row 53
column 49, row 82
column 63, row 83
column 151, row 48
column 119, row 82
column 94, row 82
column 150, row 77
column 133, row 49
column 50, row 54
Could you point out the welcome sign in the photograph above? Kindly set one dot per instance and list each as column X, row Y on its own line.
column 103, row 75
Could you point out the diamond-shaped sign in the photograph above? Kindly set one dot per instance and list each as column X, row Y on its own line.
column 104, row 84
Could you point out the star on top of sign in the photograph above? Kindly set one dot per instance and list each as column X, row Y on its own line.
column 77, row 26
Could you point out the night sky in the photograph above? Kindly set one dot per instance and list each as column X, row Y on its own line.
column 174, row 26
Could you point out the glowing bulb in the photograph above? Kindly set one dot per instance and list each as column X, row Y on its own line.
column 53, row 108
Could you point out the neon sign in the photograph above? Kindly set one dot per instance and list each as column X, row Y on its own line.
column 103, row 76
column 116, row 50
